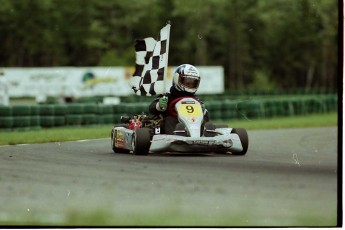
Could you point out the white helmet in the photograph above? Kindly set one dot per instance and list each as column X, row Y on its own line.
column 186, row 78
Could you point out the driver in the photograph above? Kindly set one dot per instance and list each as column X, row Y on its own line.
column 186, row 80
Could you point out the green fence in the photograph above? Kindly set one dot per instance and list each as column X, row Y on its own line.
column 24, row 117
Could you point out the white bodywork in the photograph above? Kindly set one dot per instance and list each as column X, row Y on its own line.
column 191, row 115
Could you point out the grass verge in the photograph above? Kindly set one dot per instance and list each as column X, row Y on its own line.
column 314, row 120
column 174, row 218
column 94, row 132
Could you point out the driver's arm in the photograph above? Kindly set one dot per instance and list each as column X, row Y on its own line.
column 159, row 105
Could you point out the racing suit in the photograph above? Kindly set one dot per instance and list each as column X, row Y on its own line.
column 169, row 118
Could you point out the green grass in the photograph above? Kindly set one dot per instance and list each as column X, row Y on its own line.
column 173, row 218
column 94, row 132
column 315, row 120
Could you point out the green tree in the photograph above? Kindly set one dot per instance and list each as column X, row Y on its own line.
column 295, row 39
column 285, row 43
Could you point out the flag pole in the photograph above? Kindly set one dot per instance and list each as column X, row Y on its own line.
column 167, row 55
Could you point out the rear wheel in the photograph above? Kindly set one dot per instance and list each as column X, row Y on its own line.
column 242, row 133
column 141, row 141
column 113, row 147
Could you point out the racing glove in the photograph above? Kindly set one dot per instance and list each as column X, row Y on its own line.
column 163, row 103
column 203, row 107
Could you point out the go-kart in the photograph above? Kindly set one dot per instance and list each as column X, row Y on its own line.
column 141, row 134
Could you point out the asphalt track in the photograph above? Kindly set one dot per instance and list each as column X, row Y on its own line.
column 287, row 178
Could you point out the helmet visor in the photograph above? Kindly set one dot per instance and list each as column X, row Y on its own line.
column 190, row 82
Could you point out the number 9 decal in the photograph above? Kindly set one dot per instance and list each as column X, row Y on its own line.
column 189, row 110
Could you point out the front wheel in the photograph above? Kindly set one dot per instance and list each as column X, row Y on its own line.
column 242, row 133
column 141, row 141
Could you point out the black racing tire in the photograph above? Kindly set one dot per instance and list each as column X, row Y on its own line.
column 59, row 120
column 88, row 119
column 34, row 110
column 181, row 127
column 60, row 110
column 209, row 126
column 47, row 121
column 21, row 121
column 141, row 141
column 75, row 108
column 6, row 122
column 91, row 108
column 46, row 110
column 107, row 118
column 5, row 111
column 115, row 149
column 21, row 110
column 242, row 133
column 73, row 119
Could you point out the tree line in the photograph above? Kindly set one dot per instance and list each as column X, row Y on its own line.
column 260, row 43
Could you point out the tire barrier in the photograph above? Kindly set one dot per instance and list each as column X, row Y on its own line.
column 6, row 123
column 235, row 94
column 136, row 108
column 35, row 122
column 21, row 121
column 74, row 119
column 60, row 110
column 267, row 108
column 88, row 119
column 23, row 117
column 59, row 121
column 46, row 110
column 107, row 119
column 34, row 110
column 105, row 114
column 91, row 108
column 105, row 109
column 47, row 121
column 5, row 111
column 75, row 108
column 21, row 110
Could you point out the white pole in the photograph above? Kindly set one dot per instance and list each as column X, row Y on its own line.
column 167, row 56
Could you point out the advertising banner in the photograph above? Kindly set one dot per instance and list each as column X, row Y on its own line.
column 93, row 81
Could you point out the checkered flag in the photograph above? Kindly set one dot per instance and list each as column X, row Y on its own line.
column 151, row 64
